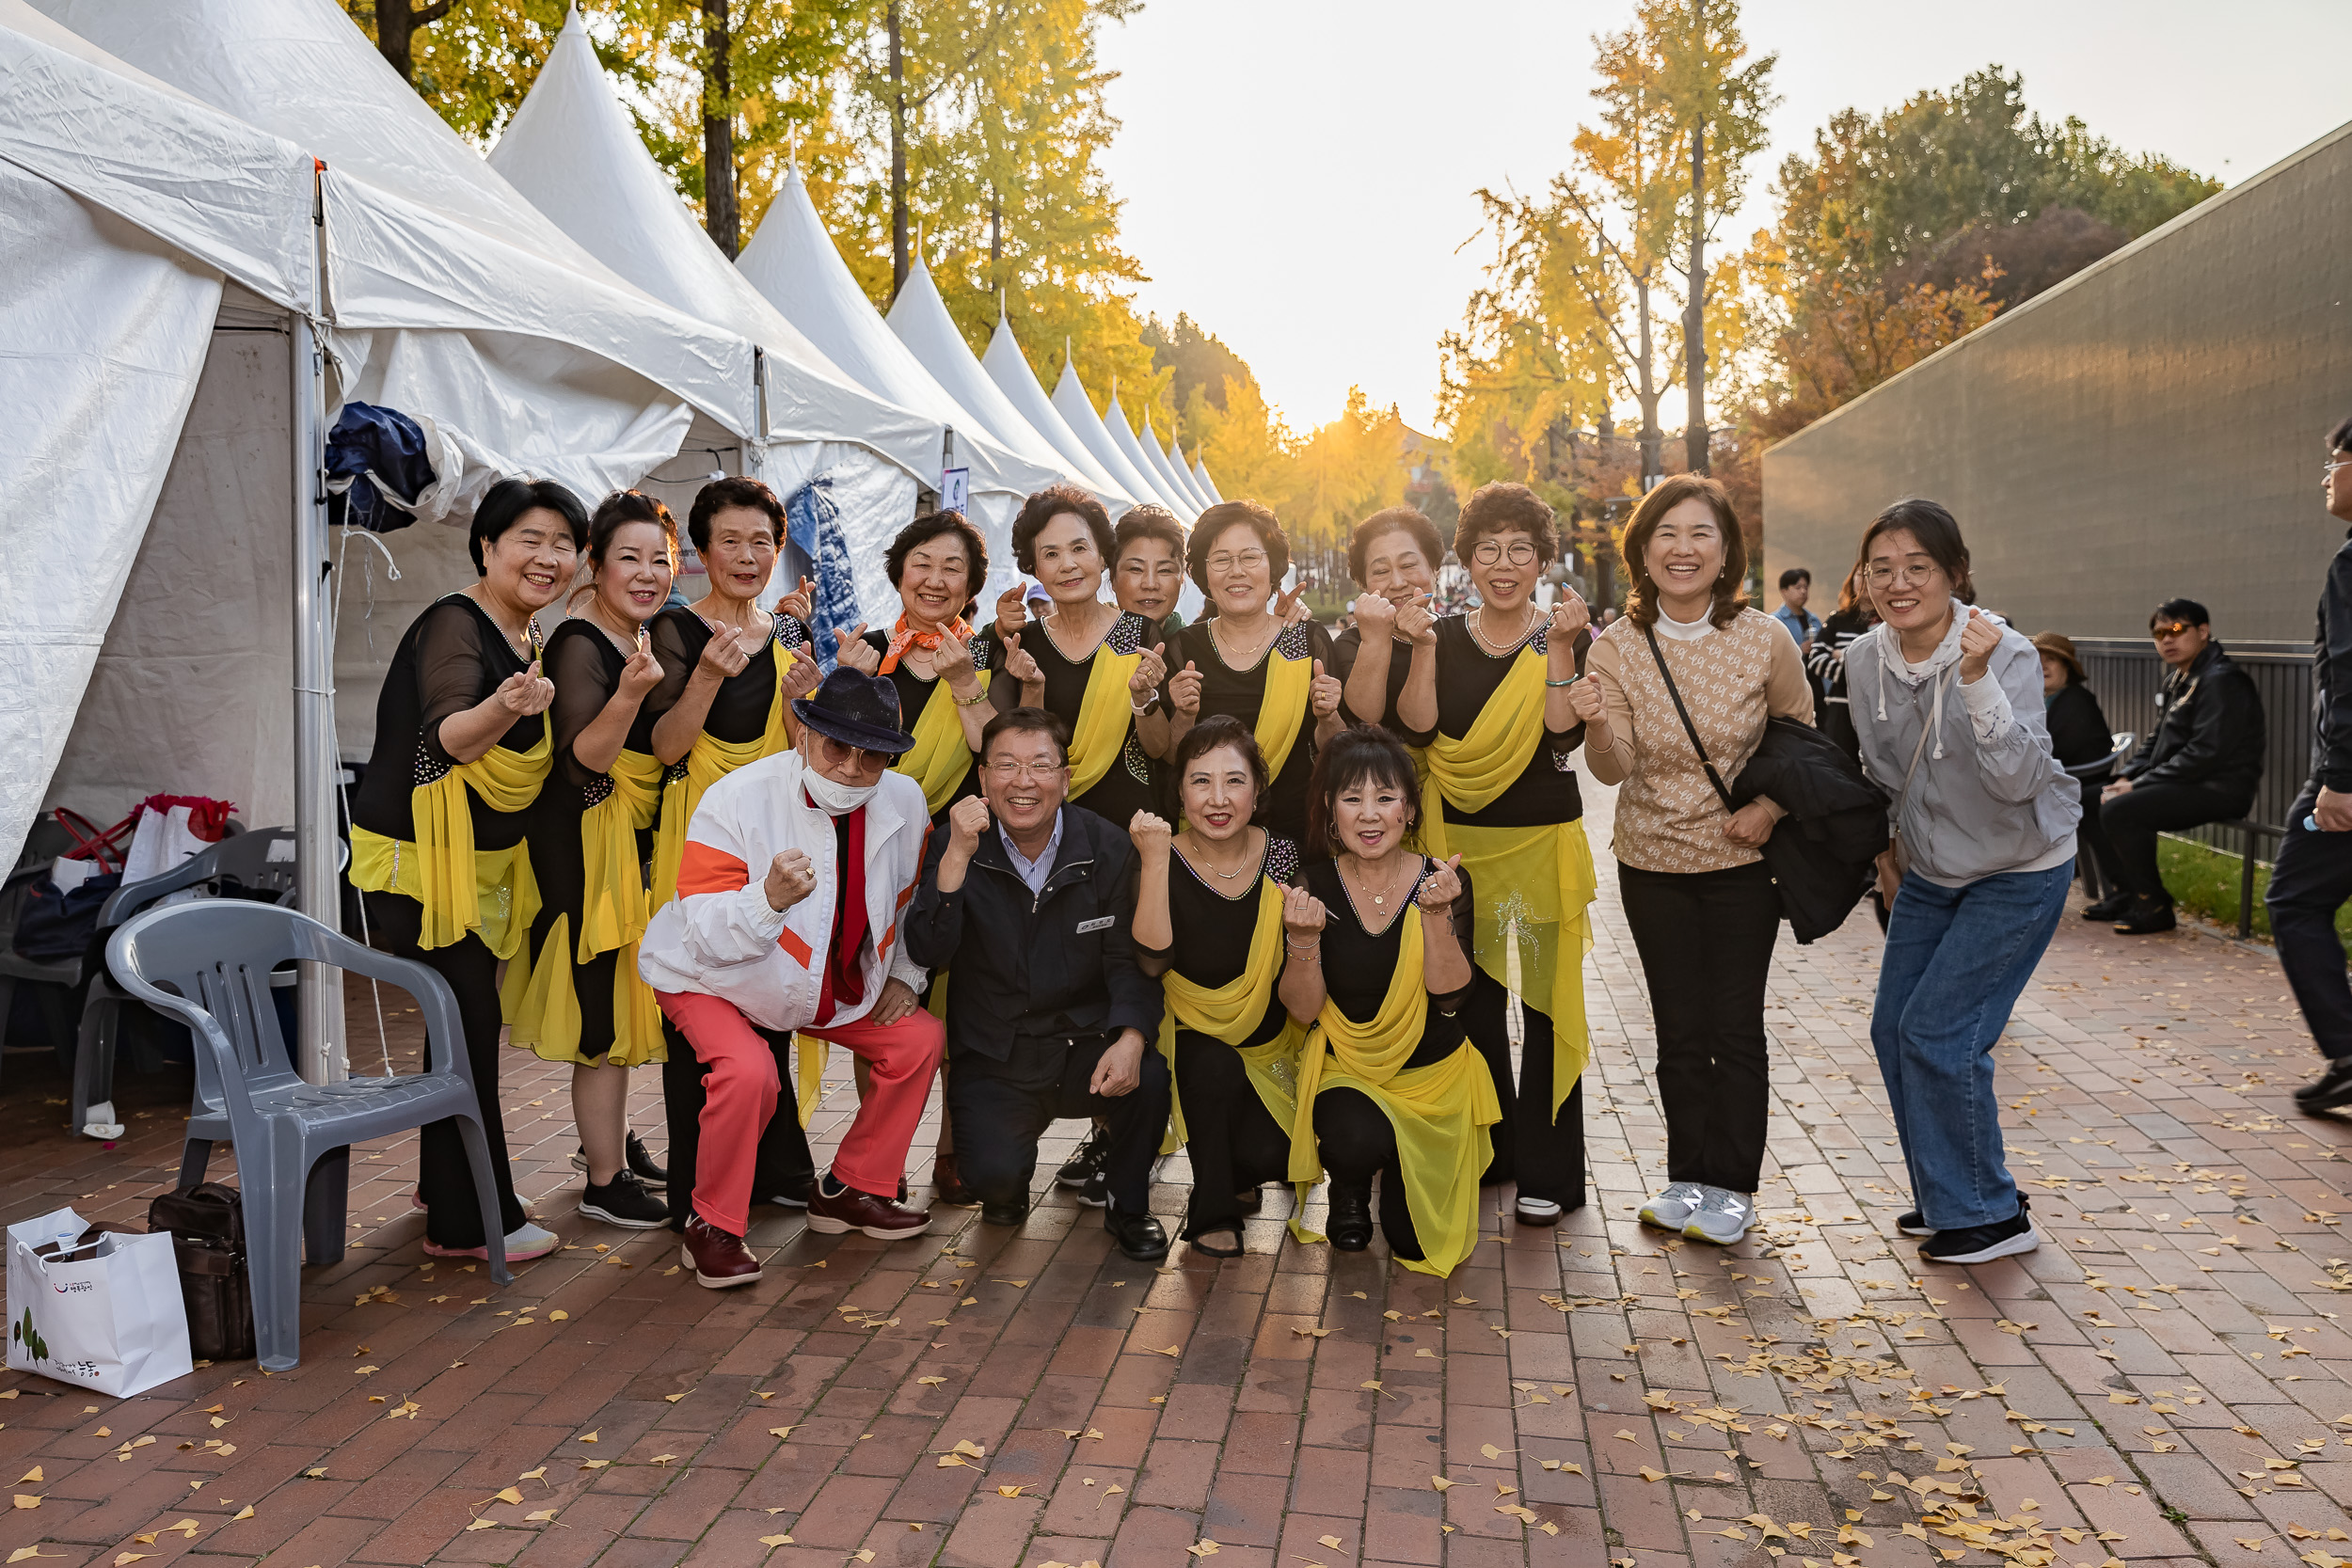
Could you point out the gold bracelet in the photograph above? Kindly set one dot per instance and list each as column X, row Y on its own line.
column 973, row 701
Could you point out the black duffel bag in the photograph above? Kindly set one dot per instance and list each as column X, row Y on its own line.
column 1822, row 854
column 207, row 1227
column 52, row 925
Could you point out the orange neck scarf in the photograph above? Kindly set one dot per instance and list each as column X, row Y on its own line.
column 903, row 637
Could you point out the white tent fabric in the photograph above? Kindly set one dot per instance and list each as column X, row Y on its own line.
column 919, row 319
column 1122, row 436
column 1201, row 472
column 1175, row 456
column 1165, row 471
column 1008, row 368
column 574, row 153
column 1077, row 411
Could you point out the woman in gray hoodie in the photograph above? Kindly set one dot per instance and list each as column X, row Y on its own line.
column 1947, row 700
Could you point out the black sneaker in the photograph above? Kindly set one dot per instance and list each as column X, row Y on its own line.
column 2147, row 917
column 656, row 1177
column 1096, row 1192
column 2331, row 1090
column 625, row 1202
column 1982, row 1243
column 1088, row 1162
column 2115, row 906
column 794, row 1193
column 1913, row 1223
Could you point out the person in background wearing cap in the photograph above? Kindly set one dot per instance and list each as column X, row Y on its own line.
column 2078, row 735
column 796, row 873
column 2198, row 765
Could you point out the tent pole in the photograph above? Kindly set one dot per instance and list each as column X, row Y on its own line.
column 318, row 849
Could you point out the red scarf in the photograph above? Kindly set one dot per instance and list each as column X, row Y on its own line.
column 903, row 637
column 844, row 984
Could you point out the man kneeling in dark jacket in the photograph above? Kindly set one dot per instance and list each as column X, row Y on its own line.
column 1029, row 905
column 2200, row 765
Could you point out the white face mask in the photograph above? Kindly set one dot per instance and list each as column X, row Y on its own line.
column 835, row 797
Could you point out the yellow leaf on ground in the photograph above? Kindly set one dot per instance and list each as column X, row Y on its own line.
column 779, row 1432
column 1442, row 1483
column 484, row 1523
column 588, row 1438
column 559, row 1315
column 123, row 1558
column 541, row 1517
column 664, row 1458
column 775, row 1541
column 1331, row 1540
column 23, row 1502
column 930, row 1381
column 1010, row 1491
column 34, row 1474
column 1176, row 1351
column 969, row 1448
column 510, row 1495
column 1202, row 1549
column 674, row 1398
column 24, row 1552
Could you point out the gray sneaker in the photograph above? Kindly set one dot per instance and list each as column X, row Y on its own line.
column 1722, row 1216
column 1670, row 1209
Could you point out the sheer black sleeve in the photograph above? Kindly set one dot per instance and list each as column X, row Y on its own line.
column 1465, row 911
column 452, row 673
column 584, row 681
column 678, row 659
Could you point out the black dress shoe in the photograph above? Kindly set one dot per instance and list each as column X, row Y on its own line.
column 2146, row 918
column 1350, row 1225
column 2331, row 1090
column 1005, row 1214
column 1139, row 1236
column 1249, row 1200
column 2115, row 906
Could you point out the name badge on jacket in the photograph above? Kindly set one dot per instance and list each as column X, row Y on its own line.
column 1100, row 923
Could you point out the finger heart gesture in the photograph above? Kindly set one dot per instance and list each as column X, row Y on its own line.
column 1303, row 913
column 1441, row 887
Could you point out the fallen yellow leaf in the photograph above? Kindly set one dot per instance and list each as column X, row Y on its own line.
column 509, row 1494
column 34, row 1474
column 245, row 1512
column 775, row 1541
column 484, row 1523
column 23, row 1502
column 1442, row 1483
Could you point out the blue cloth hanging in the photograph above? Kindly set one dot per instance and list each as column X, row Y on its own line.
column 370, row 445
column 812, row 521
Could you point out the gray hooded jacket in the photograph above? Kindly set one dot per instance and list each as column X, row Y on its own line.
column 1988, row 796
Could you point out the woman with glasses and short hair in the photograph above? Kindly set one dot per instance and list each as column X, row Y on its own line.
column 1487, row 703
column 1249, row 661
column 1698, row 894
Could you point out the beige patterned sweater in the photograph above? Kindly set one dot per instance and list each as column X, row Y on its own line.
column 1669, row 817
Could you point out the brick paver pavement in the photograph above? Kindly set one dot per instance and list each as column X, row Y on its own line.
column 2162, row 1383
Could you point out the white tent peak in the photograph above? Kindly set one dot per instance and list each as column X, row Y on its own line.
column 1077, row 411
column 1009, row 369
column 1122, row 436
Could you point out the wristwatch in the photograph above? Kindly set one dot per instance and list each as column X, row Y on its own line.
column 1149, row 705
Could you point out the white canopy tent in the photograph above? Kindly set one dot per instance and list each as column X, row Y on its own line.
column 1201, row 472
column 1170, row 475
column 573, row 151
column 794, row 262
column 1175, row 455
column 1008, row 368
column 1077, row 411
column 1122, row 436
column 199, row 272
column 919, row 319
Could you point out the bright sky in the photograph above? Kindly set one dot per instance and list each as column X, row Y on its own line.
column 1299, row 177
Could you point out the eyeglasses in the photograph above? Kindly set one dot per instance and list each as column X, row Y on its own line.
column 2329, row 467
column 865, row 761
column 1008, row 770
column 1227, row 560
column 2171, row 628
column 1916, row 575
column 1490, row 551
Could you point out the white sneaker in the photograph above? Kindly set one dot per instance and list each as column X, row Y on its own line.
column 1670, row 1209
column 1721, row 1217
column 522, row 1245
column 1538, row 1211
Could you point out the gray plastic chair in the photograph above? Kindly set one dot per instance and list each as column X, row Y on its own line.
column 216, row 957
column 262, row 861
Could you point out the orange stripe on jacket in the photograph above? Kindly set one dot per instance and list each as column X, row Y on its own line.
column 704, row 869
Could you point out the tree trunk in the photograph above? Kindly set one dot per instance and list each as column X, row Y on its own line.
column 897, row 157
column 396, row 29
column 1694, row 313
column 1645, row 391
column 719, row 210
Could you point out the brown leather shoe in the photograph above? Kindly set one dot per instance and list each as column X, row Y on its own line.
column 719, row 1260
column 947, row 1182
column 851, row 1209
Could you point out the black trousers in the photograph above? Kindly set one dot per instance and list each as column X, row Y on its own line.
column 2308, row 883
column 2132, row 821
column 1000, row 1107
column 1233, row 1140
column 444, row 1180
column 1544, row 1154
column 1359, row 1142
column 1705, row 939
column 784, row 1162
column 2092, row 834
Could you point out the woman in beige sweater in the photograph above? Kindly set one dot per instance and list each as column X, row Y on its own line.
column 1696, row 893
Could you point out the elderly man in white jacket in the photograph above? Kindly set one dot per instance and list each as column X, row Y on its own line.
column 796, row 878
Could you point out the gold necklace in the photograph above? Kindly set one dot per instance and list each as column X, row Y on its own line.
column 1256, row 649
column 1202, row 854
column 1380, row 899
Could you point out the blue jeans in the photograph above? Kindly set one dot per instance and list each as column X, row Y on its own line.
column 1955, row 960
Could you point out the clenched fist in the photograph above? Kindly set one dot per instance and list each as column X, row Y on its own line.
column 1151, row 836
column 790, row 878
column 967, row 819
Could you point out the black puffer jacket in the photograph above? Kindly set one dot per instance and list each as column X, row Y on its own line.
column 2211, row 733
column 1822, row 852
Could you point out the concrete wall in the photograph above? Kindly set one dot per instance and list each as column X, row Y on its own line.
column 2151, row 427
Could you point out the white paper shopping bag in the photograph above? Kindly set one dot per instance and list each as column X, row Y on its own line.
column 103, row 1312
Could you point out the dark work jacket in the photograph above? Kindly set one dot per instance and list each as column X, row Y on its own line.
column 2332, row 677
column 2211, row 732
column 1019, row 964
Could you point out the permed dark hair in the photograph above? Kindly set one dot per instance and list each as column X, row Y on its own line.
column 1052, row 502
column 1938, row 533
column 719, row 494
column 1360, row 753
column 506, row 501
column 923, row 531
column 1212, row 524
column 1027, row 721
column 2340, row 438
column 1500, row 506
column 1387, row 520
column 1794, row 575
column 1641, row 596
column 1221, row 730
column 1147, row 521
column 623, row 507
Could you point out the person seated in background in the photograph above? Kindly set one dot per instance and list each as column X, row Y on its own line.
column 1031, row 903
column 2078, row 735
column 791, row 892
column 2198, row 765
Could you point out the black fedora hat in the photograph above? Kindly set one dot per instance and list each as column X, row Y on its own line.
column 856, row 710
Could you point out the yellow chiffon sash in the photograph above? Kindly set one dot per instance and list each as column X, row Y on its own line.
column 1104, row 714
column 545, row 1017
column 1230, row 1012
column 1472, row 772
column 1440, row 1112
column 1282, row 715
column 710, row 760
column 449, row 882
column 941, row 760
column 505, row 893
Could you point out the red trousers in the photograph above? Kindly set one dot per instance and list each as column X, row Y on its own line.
column 742, row 1089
